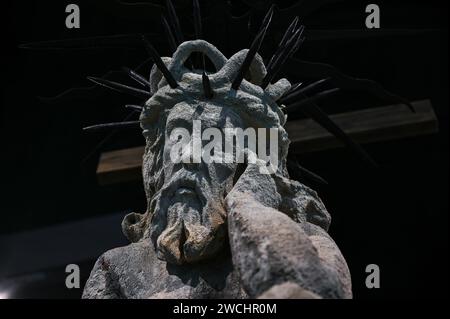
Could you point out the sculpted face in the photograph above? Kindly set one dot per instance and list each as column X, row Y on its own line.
column 191, row 201
column 186, row 218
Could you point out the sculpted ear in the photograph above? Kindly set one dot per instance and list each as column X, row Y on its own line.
column 132, row 227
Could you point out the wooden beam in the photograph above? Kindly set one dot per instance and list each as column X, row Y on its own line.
column 365, row 126
column 120, row 166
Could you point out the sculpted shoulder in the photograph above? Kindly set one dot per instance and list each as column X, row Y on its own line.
column 134, row 266
column 134, row 253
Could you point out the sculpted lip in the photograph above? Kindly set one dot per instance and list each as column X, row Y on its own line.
column 185, row 191
column 186, row 184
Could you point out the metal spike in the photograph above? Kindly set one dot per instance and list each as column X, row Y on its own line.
column 80, row 91
column 292, row 43
column 278, row 66
column 177, row 34
column 198, row 30
column 256, row 44
column 209, row 93
column 120, row 87
column 284, row 54
column 109, row 41
column 137, row 77
column 292, row 89
column 247, row 61
column 172, row 42
column 291, row 96
column 197, row 20
column 290, row 30
column 311, row 99
column 314, row 85
column 297, row 44
column 267, row 18
column 103, row 141
column 282, row 51
column 160, row 64
column 112, row 125
column 175, row 22
column 302, row 91
column 303, row 172
column 284, row 45
column 134, row 107
column 313, row 111
column 345, row 81
column 311, row 175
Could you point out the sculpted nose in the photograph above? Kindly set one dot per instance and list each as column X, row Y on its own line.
column 191, row 166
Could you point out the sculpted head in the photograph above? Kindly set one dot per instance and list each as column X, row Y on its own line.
column 185, row 218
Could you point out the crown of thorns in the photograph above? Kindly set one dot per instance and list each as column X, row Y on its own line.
column 296, row 98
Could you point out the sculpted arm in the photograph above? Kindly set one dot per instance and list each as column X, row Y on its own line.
column 278, row 257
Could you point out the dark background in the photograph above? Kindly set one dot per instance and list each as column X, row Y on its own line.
column 395, row 216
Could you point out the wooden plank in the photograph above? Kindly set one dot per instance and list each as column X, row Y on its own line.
column 120, row 166
column 365, row 126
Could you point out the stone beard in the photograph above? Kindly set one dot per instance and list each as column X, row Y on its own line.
column 218, row 229
column 189, row 222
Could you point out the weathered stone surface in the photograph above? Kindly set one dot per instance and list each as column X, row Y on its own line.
column 135, row 272
column 220, row 230
column 264, row 259
column 288, row 290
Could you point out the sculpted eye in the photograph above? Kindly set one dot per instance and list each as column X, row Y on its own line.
column 178, row 123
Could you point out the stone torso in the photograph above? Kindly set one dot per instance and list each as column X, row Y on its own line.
column 134, row 272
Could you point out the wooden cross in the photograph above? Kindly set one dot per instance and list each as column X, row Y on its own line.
column 364, row 126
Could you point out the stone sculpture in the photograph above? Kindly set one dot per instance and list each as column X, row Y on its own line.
column 221, row 230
